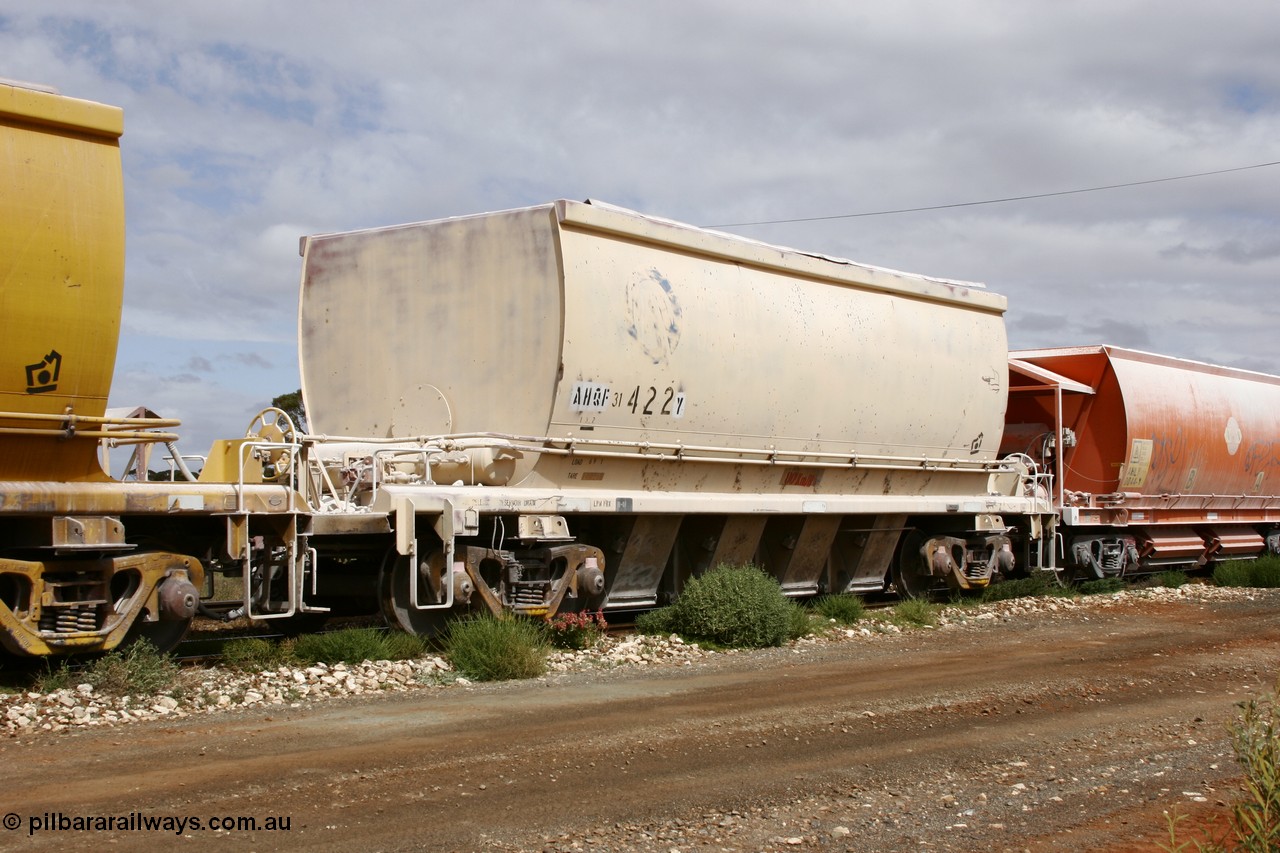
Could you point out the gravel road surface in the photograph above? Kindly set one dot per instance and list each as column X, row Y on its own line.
column 1021, row 728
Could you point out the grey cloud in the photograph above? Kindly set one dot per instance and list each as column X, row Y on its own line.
column 1235, row 252
column 247, row 121
column 1123, row 334
column 1032, row 322
column 251, row 359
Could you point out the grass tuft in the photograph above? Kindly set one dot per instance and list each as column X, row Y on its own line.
column 138, row 669
column 1171, row 579
column 915, row 612
column 494, row 648
column 134, row 670
column 1100, row 587
column 52, row 679
column 844, row 609
column 254, row 653
column 353, row 645
column 398, row 645
column 1034, row 585
column 800, row 621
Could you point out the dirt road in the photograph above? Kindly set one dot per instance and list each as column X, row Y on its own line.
column 1071, row 731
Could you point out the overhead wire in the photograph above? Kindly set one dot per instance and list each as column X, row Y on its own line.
column 993, row 200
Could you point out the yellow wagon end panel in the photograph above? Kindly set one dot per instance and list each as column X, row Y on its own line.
column 61, row 278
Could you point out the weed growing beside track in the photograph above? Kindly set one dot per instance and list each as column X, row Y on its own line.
column 1263, row 572
column 1253, row 821
column 351, row 645
column 842, row 609
column 497, row 648
column 136, row 668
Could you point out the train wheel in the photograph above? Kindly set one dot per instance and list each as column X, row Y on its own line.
column 397, row 609
column 164, row 635
column 911, row 574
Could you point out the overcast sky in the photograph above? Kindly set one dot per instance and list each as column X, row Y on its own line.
column 250, row 123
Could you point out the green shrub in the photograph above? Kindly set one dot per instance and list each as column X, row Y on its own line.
column 801, row 623
column 1262, row 572
column 1169, row 579
column 1266, row 572
column 138, row 669
column 254, row 653
column 1036, row 584
column 735, row 606
column 398, row 645
column 497, row 648
column 353, row 645
column 915, row 611
column 53, row 679
column 844, row 609
column 657, row 623
column 1100, row 587
column 1232, row 573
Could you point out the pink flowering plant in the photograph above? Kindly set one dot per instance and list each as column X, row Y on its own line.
column 576, row 630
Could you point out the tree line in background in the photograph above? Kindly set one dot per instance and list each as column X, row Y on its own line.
column 292, row 405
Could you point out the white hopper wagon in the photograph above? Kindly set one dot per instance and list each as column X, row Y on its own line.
column 575, row 406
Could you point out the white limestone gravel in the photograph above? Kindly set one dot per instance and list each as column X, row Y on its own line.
column 204, row 690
